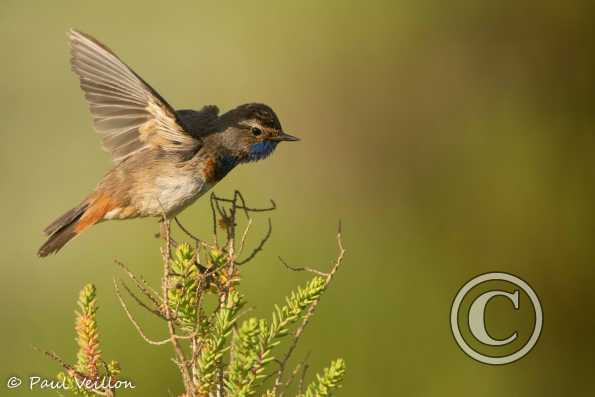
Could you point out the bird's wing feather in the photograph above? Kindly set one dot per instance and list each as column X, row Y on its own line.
column 128, row 113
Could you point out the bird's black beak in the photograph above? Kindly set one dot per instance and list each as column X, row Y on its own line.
column 284, row 137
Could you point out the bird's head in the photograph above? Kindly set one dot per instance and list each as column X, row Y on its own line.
column 252, row 132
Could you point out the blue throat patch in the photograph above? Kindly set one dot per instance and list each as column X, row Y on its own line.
column 261, row 150
column 224, row 165
column 258, row 151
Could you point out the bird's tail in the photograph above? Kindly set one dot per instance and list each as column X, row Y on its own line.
column 63, row 229
column 92, row 210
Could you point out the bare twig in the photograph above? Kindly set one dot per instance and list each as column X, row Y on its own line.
column 134, row 322
column 259, row 247
column 238, row 196
column 303, row 364
column 108, row 392
column 300, row 330
column 142, row 304
column 303, row 269
column 188, row 233
column 302, row 379
column 271, row 208
column 244, row 235
column 213, row 203
column 141, row 284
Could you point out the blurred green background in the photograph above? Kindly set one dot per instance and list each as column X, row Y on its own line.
column 452, row 139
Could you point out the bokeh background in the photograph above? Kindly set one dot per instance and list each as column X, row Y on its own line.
column 451, row 138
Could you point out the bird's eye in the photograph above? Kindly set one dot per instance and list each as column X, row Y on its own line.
column 256, row 131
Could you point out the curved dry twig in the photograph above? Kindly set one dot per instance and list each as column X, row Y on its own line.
column 300, row 330
column 133, row 321
column 260, row 245
column 303, row 269
column 141, row 284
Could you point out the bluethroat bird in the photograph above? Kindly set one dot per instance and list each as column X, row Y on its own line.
column 164, row 159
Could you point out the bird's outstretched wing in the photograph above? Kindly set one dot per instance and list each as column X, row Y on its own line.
column 128, row 113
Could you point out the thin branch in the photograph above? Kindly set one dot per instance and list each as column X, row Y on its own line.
column 212, row 202
column 166, row 253
column 188, row 233
column 271, row 208
column 53, row 356
column 300, row 330
column 238, row 196
column 141, row 303
column 303, row 269
column 73, row 372
column 134, row 322
column 303, row 364
column 259, row 247
column 244, row 235
column 141, row 284
column 302, row 379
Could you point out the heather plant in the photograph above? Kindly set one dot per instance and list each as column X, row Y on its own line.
column 218, row 349
column 91, row 375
